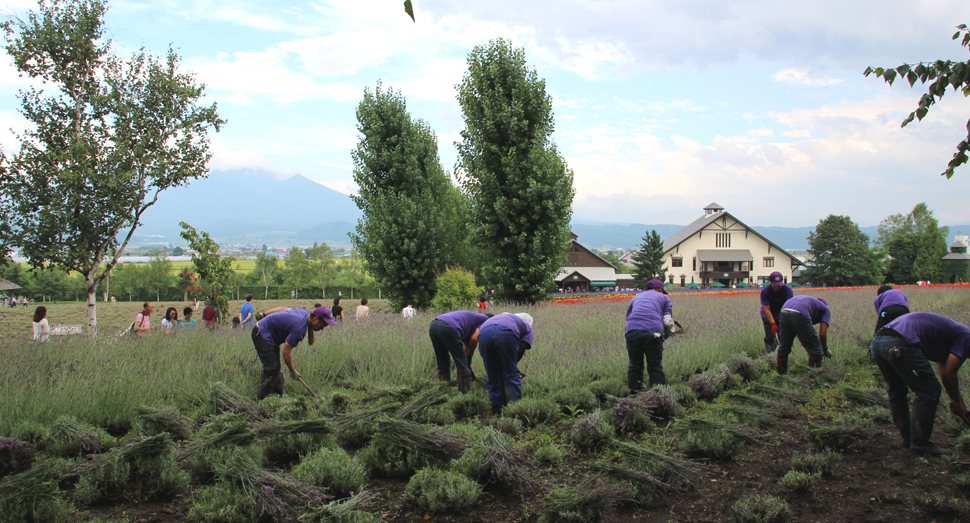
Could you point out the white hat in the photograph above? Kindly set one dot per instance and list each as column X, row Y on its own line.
column 526, row 317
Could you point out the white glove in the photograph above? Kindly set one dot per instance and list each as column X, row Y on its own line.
column 668, row 321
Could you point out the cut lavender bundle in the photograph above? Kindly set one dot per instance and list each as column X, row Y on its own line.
column 711, row 383
column 588, row 500
column 266, row 428
column 227, row 400
column 432, row 396
column 15, row 456
column 74, row 438
column 789, row 395
column 673, row 470
column 167, row 420
column 491, row 458
column 647, row 487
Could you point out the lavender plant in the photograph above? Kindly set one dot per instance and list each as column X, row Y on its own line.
column 587, row 501
column 592, row 432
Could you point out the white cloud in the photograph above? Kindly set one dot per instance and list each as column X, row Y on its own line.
column 802, row 76
column 348, row 187
column 225, row 159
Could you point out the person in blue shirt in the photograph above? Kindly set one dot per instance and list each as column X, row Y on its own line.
column 773, row 296
column 903, row 350
column 277, row 334
column 649, row 319
column 799, row 316
column 502, row 341
column 247, row 316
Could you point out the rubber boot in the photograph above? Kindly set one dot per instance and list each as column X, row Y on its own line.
column 782, row 364
column 923, row 417
column 900, row 411
column 814, row 361
column 464, row 381
column 444, row 377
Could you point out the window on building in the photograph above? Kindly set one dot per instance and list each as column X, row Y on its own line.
column 683, row 279
column 695, row 265
column 671, row 279
column 722, row 239
column 769, row 262
column 676, row 262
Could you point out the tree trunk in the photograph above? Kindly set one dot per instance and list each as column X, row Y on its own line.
column 92, row 303
column 265, row 292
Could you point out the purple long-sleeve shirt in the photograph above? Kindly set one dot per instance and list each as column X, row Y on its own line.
column 517, row 325
column 890, row 297
column 646, row 312
column 811, row 308
column 289, row 326
column 937, row 336
column 465, row 323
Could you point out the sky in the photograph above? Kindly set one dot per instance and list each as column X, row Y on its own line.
column 660, row 107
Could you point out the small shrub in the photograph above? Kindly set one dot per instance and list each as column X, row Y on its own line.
column 32, row 432
column 836, row 438
column 401, row 447
column 355, row 429
column 673, row 470
column 574, row 399
column 746, row 368
column 605, row 388
column 437, row 415
column 71, row 438
column 437, row 490
column 470, row 405
column 548, row 454
column 587, row 501
column 686, row 397
column 15, row 456
column 340, row 401
column 799, row 481
column 712, row 382
column 962, row 481
column 821, row 463
column 202, row 465
column 718, row 444
column 531, row 411
column 761, row 509
column 592, row 432
column 510, row 426
column 332, row 468
column 963, row 441
column 357, row 509
column 137, row 473
column 33, row 495
column 221, row 505
column 456, row 290
column 492, row 458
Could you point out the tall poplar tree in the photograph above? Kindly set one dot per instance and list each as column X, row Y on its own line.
column 406, row 237
column 521, row 190
column 106, row 136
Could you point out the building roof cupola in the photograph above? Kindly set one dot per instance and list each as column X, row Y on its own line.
column 712, row 208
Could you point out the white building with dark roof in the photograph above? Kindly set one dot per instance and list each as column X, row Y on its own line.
column 718, row 247
column 585, row 270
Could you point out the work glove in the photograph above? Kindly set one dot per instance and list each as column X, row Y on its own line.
column 774, row 328
column 826, row 352
column 294, row 374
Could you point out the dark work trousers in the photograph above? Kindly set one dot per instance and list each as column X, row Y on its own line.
column 447, row 346
column 770, row 340
column 642, row 345
column 271, row 380
column 905, row 368
column 889, row 314
column 795, row 324
column 499, row 348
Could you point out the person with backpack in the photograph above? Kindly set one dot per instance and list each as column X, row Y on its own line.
column 143, row 320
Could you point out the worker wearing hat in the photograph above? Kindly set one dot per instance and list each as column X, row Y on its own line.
column 773, row 296
column 903, row 350
column 799, row 316
column 649, row 319
column 890, row 304
column 502, row 341
column 284, row 327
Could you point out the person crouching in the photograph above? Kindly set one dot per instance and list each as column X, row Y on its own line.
column 502, row 341
column 278, row 333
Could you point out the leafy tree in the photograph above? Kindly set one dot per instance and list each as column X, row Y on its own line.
column 265, row 272
column 520, row 188
column 350, row 274
column 456, row 290
column 215, row 273
column 158, row 276
column 299, row 272
column 840, row 254
column 185, row 280
column 406, row 234
column 941, row 74
column 105, row 137
column 177, row 251
column 50, row 284
column 648, row 261
column 322, row 265
column 916, row 235
column 129, row 278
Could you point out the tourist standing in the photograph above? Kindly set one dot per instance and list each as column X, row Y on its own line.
column 170, row 321
column 363, row 311
column 42, row 328
column 247, row 316
column 187, row 322
column 408, row 311
column 337, row 310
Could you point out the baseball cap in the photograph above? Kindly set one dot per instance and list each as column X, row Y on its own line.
column 656, row 284
column 324, row 314
column 776, row 279
column 823, row 301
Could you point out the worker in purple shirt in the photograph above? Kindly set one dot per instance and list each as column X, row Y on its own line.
column 903, row 350
column 773, row 297
column 284, row 327
column 649, row 319
column 799, row 316
column 454, row 336
column 890, row 304
column 502, row 341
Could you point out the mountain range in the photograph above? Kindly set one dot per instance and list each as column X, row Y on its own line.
column 256, row 207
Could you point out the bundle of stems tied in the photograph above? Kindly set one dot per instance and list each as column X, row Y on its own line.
column 792, row 396
column 698, row 424
column 434, row 395
column 264, row 428
column 862, row 397
column 508, row 465
column 280, row 498
column 423, row 439
column 168, row 420
column 76, row 437
column 227, row 400
column 656, row 463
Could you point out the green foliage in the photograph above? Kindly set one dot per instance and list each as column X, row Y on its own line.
column 548, row 454
column 762, row 508
column 332, row 468
column 322, row 265
column 799, row 481
column 221, row 505
column 215, row 273
column 471, row 405
column 574, row 399
column 406, row 236
column 648, row 261
column 956, row 508
column 520, row 187
column 592, row 432
column 72, row 437
column 840, row 254
column 608, row 387
column 33, row 495
column 137, row 473
column 456, row 290
column 158, row 276
column 837, row 438
column 915, row 244
column 531, row 411
column 297, row 271
column 586, row 501
column 105, row 137
column 356, row 509
column 941, row 74
column 821, row 463
column 437, row 490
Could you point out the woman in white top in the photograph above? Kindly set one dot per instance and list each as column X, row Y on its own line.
column 42, row 328
column 363, row 311
column 171, row 321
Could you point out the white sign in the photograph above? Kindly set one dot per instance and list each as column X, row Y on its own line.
column 61, row 330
